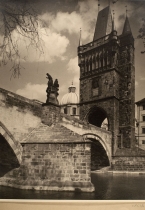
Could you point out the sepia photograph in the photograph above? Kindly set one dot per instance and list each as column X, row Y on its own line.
column 72, row 100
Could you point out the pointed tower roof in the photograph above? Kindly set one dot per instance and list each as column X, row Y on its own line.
column 104, row 23
column 126, row 28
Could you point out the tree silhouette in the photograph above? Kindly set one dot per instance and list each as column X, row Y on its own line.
column 18, row 16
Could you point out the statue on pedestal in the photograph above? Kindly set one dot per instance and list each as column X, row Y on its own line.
column 52, row 90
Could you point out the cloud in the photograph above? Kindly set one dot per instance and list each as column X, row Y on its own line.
column 72, row 65
column 67, row 23
column 64, row 22
column 142, row 78
column 136, row 83
column 76, row 82
column 85, row 18
column 33, row 91
column 54, row 46
column 120, row 14
column 74, row 70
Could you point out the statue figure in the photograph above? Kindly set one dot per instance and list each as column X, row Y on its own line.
column 50, row 82
column 56, row 86
column 52, row 90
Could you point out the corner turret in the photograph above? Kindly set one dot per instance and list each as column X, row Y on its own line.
column 126, row 28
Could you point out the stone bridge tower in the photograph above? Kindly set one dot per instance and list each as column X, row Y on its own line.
column 107, row 86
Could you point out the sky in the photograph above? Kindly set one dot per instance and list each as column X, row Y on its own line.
column 60, row 34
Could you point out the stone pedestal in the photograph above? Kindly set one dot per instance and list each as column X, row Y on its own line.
column 50, row 114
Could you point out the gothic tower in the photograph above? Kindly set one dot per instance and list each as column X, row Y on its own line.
column 107, row 86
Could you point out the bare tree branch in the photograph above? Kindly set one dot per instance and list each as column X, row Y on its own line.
column 21, row 17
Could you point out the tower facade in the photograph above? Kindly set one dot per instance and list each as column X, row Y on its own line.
column 107, row 86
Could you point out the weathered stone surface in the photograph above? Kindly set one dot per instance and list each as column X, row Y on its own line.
column 128, row 163
column 50, row 114
column 53, row 170
column 52, row 134
column 19, row 114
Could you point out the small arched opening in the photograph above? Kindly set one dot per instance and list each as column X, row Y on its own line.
column 8, row 159
column 98, row 117
column 99, row 157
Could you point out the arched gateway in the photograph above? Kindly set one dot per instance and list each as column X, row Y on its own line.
column 97, row 116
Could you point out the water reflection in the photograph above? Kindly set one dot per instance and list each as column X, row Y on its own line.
column 119, row 186
column 107, row 187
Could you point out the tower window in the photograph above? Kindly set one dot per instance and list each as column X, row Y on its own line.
column 143, row 107
column 143, row 130
column 95, row 87
column 95, row 83
column 143, row 118
column 65, row 110
column 143, row 141
column 101, row 60
column 74, row 111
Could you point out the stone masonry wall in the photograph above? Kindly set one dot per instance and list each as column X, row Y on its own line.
column 50, row 114
column 108, row 86
column 53, row 167
column 128, row 163
column 19, row 115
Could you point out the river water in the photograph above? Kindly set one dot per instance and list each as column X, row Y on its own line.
column 107, row 187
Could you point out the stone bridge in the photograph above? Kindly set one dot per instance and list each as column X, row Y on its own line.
column 53, row 150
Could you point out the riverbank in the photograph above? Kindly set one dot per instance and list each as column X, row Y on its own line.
column 108, row 186
column 119, row 172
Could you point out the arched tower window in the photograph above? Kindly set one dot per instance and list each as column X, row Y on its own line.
column 93, row 63
column 87, row 66
column 74, row 111
column 101, row 60
column 97, row 61
column 105, row 59
column 90, row 64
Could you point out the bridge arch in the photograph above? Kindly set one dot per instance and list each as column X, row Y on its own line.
column 99, row 142
column 98, row 116
column 14, row 145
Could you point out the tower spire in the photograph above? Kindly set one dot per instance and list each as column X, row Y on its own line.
column 103, row 26
column 98, row 6
column 80, row 39
column 126, row 28
column 113, row 24
column 126, row 10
